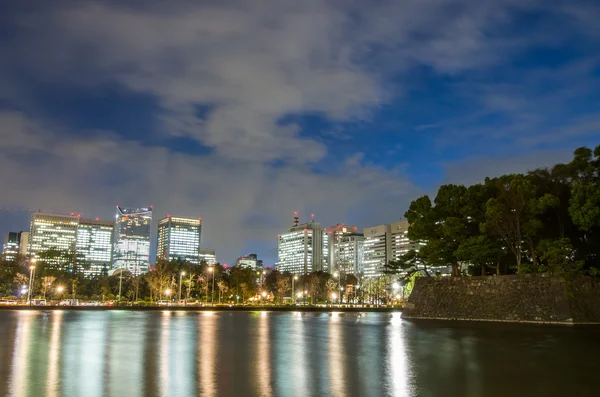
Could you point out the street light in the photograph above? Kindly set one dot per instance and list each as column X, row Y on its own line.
column 293, row 296
column 212, row 294
column 31, row 275
column 60, row 289
column 264, row 295
column 333, row 296
column 180, row 276
column 167, row 292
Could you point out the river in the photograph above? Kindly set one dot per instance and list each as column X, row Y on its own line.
column 171, row 353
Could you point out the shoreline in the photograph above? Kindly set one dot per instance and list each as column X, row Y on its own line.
column 209, row 308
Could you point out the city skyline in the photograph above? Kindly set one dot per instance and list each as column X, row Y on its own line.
column 348, row 111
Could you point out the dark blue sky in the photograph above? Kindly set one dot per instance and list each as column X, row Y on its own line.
column 242, row 112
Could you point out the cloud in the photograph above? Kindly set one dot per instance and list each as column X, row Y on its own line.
column 475, row 169
column 256, row 62
column 249, row 64
column 239, row 200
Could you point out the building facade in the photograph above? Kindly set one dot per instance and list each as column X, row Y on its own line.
column 303, row 248
column 54, row 232
column 401, row 244
column 15, row 245
column 94, row 246
column 250, row 261
column 132, row 239
column 377, row 249
column 179, row 239
column 208, row 255
column 346, row 249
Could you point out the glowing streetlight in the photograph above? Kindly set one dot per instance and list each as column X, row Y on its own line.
column 264, row 294
column 180, row 277
column 31, row 279
column 333, row 296
column 60, row 289
column 212, row 294
column 294, row 296
column 167, row 292
column 395, row 286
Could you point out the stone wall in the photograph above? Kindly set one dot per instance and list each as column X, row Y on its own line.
column 522, row 298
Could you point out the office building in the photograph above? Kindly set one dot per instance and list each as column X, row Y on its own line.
column 54, row 232
column 208, row 255
column 94, row 246
column 250, row 261
column 377, row 249
column 304, row 248
column 386, row 243
column 132, row 239
column 179, row 239
column 15, row 245
column 346, row 249
column 401, row 244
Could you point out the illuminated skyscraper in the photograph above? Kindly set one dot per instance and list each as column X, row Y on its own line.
column 377, row 249
column 208, row 255
column 15, row 244
column 132, row 239
column 400, row 241
column 386, row 243
column 179, row 238
column 346, row 249
column 250, row 261
column 94, row 245
column 303, row 249
column 53, row 232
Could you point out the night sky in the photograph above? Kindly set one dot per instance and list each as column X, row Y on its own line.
column 241, row 112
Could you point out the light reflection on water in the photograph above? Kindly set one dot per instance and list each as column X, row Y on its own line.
column 272, row 354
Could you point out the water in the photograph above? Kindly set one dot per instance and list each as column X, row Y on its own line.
column 131, row 354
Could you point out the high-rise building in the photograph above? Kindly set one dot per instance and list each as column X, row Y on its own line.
column 54, row 232
column 377, row 249
column 94, row 246
column 303, row 248
column 250, row 261
column 15, row 244
column 179, row 238
column 386, row 243
column 208, row 255
column 401, row 244
column 346, row 249
column 132, row 239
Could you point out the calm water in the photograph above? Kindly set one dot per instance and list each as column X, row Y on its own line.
column 130, row 354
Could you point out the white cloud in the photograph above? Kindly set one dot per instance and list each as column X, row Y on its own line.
column 233, row 196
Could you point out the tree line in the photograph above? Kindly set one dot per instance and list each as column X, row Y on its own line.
column 58, row 275
column 544, row 221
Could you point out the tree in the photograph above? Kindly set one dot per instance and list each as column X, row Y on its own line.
column 559, row 258
column 408, row 264
column 223, row 288
column 47, row 282
column 283, row 286
column 508, row 213
column 482, row 252
column 443, row 226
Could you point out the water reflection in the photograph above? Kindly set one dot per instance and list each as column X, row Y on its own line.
column 335, row 358
column 164, row 357
column 397, row 362
column 19, row 375
column 52, row 379
column 264, row 356
column 207, row 354
column 128, row 354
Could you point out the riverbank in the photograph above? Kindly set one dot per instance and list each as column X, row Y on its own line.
column 322, row 309
column 533, row 299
